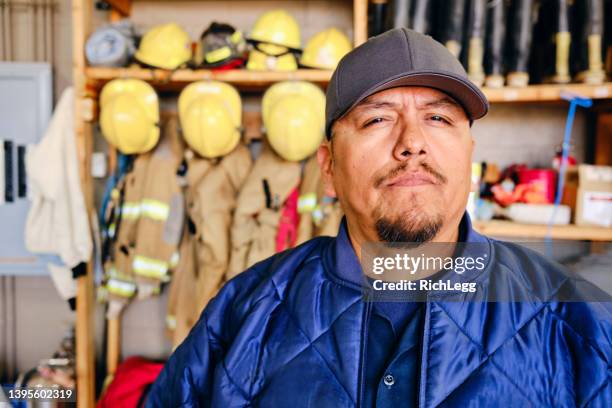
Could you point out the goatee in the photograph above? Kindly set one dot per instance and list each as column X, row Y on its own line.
column 407, row 229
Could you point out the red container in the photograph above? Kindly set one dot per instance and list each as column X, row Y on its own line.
column 543, row 179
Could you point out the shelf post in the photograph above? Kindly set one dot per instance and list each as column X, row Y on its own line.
column 85, row 359
column 360, row 21
column 113, row 351
column 603, row 139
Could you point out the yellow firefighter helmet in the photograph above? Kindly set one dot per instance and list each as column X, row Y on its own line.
column 294, row 118
column 325, row 49
column 211, row 114
column 129, row 115
column 276, row 35
column 165, row 46
column 277, row 27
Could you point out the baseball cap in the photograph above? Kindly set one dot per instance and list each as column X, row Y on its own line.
column 399, row 57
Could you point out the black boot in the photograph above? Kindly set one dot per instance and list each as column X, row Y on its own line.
column 561, row 41
column 476, row 24
column 421, row 16
column 520, row 26
column 376, row 17
column 398, row 14
column 494, row 49
column 588, row 37
column 451, row 25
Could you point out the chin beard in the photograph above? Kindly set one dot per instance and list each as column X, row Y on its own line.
column 407, row 229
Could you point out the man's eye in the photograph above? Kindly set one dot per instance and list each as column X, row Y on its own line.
column 373, row 121
column 438, row 118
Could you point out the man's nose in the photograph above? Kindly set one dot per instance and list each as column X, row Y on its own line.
column 411, row 142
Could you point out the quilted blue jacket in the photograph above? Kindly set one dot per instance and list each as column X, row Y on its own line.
column 290, row 332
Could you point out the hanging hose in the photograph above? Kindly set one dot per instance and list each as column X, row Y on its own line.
column 574, row 101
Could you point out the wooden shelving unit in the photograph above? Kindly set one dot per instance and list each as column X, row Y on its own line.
column 547, row 93
column 245, row 80
column 241, row 78
column 515, row 230
column 89, row 80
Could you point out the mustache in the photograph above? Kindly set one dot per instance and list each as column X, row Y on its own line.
column 440, row 178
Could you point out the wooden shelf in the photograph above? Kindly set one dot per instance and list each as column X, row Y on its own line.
column 548, row 93
column 244, row 79
column 516, row 230
column 241, row 78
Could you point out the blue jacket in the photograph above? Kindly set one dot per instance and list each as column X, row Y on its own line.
column 289, row 332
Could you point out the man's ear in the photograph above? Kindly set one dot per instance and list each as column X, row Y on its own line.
column 325, row 159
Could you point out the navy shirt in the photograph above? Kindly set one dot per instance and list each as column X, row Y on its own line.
column 395, row 331
column 393, row 354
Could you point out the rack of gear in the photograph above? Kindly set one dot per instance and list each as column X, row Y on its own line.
column 183, row 211
column 172, row 191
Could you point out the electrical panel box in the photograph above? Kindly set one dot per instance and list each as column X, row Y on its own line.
column 26, row 104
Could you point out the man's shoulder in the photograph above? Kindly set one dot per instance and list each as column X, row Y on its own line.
column 554, row 289
column 278, row 267
column 529, row 267
column 265, row 281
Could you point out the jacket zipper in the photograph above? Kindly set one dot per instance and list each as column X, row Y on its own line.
column 424, row 348
column 363, row 351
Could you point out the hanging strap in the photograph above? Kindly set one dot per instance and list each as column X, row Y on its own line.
column 286, row 234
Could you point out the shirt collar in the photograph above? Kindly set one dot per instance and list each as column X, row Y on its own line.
column 344, row 263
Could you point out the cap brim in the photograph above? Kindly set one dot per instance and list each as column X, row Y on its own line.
column 467, row 94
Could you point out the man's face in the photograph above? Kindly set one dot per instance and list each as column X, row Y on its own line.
column 400, row 164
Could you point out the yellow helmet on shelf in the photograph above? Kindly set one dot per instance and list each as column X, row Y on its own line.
column 129, row 115
column 325, row 49
column 165, row 46
column 277, row 27
column 211, row 114
column 294, row 117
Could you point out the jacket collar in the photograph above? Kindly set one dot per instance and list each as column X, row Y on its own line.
column 343, row 265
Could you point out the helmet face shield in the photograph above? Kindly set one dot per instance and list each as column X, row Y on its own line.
column 260, row 61
column 220, row 45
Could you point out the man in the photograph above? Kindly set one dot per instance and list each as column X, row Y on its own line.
column 295, row 330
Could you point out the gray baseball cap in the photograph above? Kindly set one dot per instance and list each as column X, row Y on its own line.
column 399, row 57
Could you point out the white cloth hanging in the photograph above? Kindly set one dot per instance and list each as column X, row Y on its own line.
column 58, row 222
